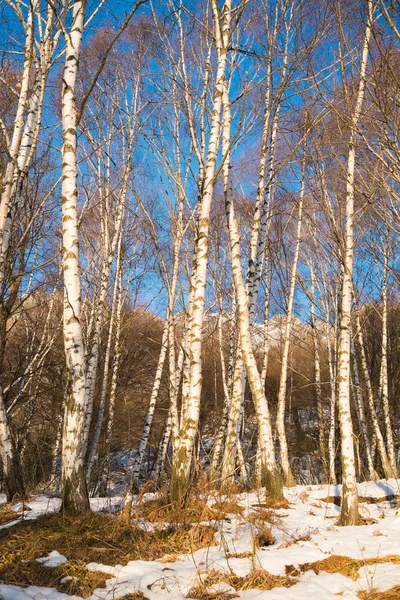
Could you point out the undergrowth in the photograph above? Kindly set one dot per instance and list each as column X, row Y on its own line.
column 340, row 564
column 196, row 509
column 92, row 538
column 257, row 579
column 392, row 594
column 7, row 514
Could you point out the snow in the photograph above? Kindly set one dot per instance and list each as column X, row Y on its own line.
column 305, row 532
column 54, row 559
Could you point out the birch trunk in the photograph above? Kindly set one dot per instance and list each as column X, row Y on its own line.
column 280, row 419
column 387, row 468
column 183, row 450
column 107, row 359
column 11, row 470
column 270, row 476
column 139, row 458
column 266, row 327
column 384, row 369
column 163, row 448
column 12, row 475
column 92, row 360
column 228, row 471
column 15, row 145
column 261, row 219
column 74, row 492
column 359, row 404
column 222, row 431
column 54, row 484
column 349, row 514
column 318, row 388
column 113, row 388
column 332, row 379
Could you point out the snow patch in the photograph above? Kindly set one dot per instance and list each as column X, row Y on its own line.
column 54, row 559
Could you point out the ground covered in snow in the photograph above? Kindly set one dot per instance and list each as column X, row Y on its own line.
column 240, row 546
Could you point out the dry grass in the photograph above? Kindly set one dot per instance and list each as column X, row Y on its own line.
column 196, row 510
column 82, row 582
column 271, row 502
column 263, row 537
column 160, row 510
column 263, row 515
column 93, row 538
column 331, row 500
column 262, row 534
column 134, row 596
column 239, row 554
column 366, row 499
column 201, row 593
column 257, row 579
column 7, row 515
column 392, row 594
column 340, row 564
column 221, row 508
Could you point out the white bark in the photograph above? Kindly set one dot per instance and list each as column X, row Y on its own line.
column 349, row 514
column 269, row 471
column 387, row 468
column 359, row 405
column 226, row 415
column 232, row 431
column 317, row 372
column 139, row 458
column 15, row 144
column 280, row 418
column 54, row 484
column 183, row 448
column 107, row 359
column 384, row 368
column 74, row 493
column 92, row 360
column 332, row 354
column 114, row 379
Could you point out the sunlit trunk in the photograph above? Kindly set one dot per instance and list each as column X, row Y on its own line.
column 74, row 492
column 349, row 514
column 270, row 476
column 183, row 448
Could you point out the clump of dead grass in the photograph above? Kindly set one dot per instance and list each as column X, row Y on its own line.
column 392, row 594
column 239, row 554
column 272, row 502
column 263, row 537
column 7, row 514
column 263, row 515
column 340, row 564
column 195, row 510
column 161, row 510
column 221, row 508
column 92, row 538
column 257, row 579
column 363, row 499
column 134, row 596
column 201, row 593
column 262, row 533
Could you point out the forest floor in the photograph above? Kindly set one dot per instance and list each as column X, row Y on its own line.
column 241, row 546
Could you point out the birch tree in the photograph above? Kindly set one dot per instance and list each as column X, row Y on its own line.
column 349, row 514
column 74, row 491
column 280, row 419
column 184, row 446
column 270, row 476
column 39, row 46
